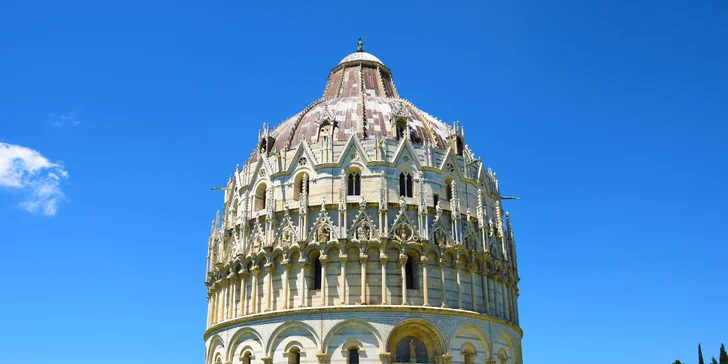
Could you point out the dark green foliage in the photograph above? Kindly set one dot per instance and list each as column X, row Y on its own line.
column 677, row 362
column 723, row 356
column 713, row 361
column 700, row 355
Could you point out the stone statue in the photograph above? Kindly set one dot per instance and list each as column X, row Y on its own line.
column 360, row 45
column 361, row 232
column 323, row 234
column 413, row 355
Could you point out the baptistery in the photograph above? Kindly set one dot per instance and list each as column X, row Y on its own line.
column 362, row 230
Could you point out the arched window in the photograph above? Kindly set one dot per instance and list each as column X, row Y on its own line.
column 354, row 184
column 405, row 184
column 317, row 273
column 353, row 356
column 448, row 190
column 245, row 359
column 409, row 270
column 261, row 197
column 294, row 356
column 469, row 358
column 300, row 184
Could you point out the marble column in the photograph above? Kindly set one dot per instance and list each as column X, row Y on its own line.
column 220, row 300
column 254, row 271
column 494, row 283
column 443, row 292
column 286, row 266
column 209, row 309
column 269, row 269
column 234, row 301
column 403, row 269
column 383, row 261
column 324, row 287
column 343, row 295
column 473, row 297
column 458, row 269
column 425, row 261
column 385, row 358
column 244, row 295
column 363, row 258
column 302, row 282
column 486, row 301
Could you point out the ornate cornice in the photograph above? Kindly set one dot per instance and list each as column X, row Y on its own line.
column 360, row 308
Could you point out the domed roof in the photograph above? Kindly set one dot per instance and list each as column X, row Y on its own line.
column 360, row 56
column 360, row 99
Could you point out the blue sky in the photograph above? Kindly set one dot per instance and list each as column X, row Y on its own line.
column 607, row 118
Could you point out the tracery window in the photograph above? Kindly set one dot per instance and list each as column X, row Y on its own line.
column 448, row 190
column 354, row 184
column 405, row 184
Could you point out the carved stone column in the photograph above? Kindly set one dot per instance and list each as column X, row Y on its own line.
column 254, row 294
column 443, row 263
column 233, row 297
column 446, row 359
column 425, row 261
column 386, row 358
column 244, row 295
column 269, row 268
column 221, row 304
column 343, row 295
column 486, row 302
column 267, row 360
column 403, row 266
column 324, row 287
column 209, row 310
column 286, row 266
column 363, row 258
column 458, row 268
column 495, row 295
column 384, row 260
column 473, row 298
column 302, row 282
column 490, row 361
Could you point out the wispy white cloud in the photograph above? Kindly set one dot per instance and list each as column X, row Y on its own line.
column 64, row 119
column 34, row 176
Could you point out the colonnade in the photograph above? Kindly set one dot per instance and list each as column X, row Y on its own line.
column 227, row 296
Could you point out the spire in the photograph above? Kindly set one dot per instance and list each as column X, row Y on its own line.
column 360, row 45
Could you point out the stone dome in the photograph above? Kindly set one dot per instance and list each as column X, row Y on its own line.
column 361, row 56
column 362, row 230
column 360, row 99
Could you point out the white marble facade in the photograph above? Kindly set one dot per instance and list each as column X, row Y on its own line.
column 383, row 244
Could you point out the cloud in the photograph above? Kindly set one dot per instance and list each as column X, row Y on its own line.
column 38, row 179
column 64, row 119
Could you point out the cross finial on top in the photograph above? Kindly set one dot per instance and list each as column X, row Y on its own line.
column 360, row 43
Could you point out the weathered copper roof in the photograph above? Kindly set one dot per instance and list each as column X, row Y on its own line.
column 360, row 98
